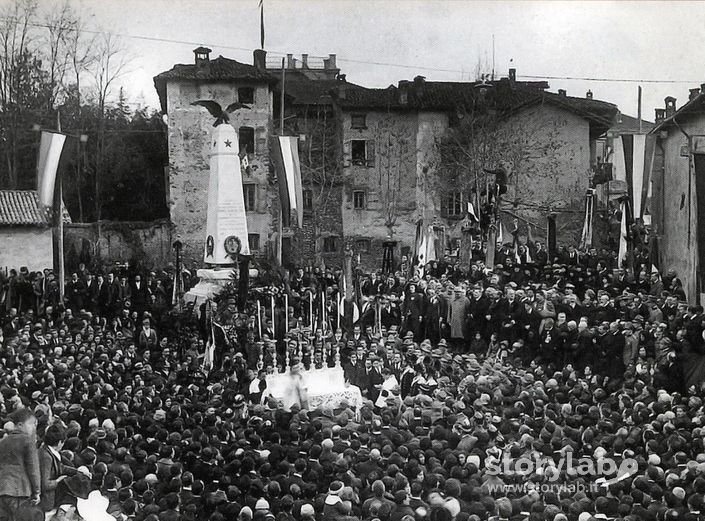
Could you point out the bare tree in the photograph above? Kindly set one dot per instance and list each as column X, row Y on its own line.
column 17, row 39
column 396, row 144
column 109, row 65
column 61, row 25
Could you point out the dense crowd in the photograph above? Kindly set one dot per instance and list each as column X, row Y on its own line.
column 462, row 369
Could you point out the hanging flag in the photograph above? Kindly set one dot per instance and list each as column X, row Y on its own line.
column 472, row 213
column 420, row 247
column 586, row 236
column 431, row 245
column 286, row 160
column 633, row 161
column 52, row 143
column 623, row 237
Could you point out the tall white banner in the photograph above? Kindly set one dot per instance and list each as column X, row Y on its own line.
column 50, row 148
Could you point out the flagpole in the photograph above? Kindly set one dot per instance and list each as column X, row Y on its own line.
column 60, row 224
column 280, row 257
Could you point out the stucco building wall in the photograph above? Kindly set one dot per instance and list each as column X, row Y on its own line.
column 680, row 235
column 29, row 246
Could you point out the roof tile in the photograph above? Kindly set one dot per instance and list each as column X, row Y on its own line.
column 21, row 208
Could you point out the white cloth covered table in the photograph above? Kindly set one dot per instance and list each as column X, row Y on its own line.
column 324, row 388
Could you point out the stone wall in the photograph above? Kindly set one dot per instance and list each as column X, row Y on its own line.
column 107, row 243
column 189, row 137
column 29, row 246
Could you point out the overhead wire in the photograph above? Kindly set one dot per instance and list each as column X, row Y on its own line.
column 368, row 62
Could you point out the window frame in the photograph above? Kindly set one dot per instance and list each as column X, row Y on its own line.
column 367, row 245
column 363, row 206
column 324, row 247
column 453, row 205
column 255, row 236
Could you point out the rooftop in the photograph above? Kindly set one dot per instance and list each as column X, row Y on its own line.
column 219, row 69
column 21, row 208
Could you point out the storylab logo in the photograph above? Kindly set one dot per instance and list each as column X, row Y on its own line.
column 551, row 470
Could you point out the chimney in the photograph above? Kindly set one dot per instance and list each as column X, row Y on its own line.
column 512, row 75
column 290, row 64
column 588, row 95
column 694, row 93
column 304, row 61
column 404, row 92
column 329, row 63
column 660, row 115
column 419, row 86
column 260, row 59
column 562, row 92
column 202, row 57
column 670, row 102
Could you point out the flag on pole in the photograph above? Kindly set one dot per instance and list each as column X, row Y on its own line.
column 633, row 161
column 623, row 231
column 586, row 236
column 286, row 159
column 52, row 143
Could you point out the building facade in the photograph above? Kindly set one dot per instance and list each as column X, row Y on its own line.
column 678, row 198
column 374, row 161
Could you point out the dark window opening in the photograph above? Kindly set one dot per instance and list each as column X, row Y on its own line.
column 246, row 136
column 249, row 192
column 359, row 151
column 253, row 239
column 246, row 95
column 308, row 200
column 330, row 244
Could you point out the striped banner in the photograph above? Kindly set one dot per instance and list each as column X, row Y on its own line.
column 586, row 236
column 286, row 159
column 633, row 161
column 52, row 143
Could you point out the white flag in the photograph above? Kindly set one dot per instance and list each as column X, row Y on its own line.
column 49, row 154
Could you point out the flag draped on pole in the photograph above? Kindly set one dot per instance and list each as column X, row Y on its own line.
column 633, row 161
column 50, row 148
column 425, row 246
column 286, row 159
column 623, row 234
column 586, row 236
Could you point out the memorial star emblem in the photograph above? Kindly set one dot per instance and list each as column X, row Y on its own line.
column 228, row 143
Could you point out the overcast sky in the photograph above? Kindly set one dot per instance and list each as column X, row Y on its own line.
column 379, row 42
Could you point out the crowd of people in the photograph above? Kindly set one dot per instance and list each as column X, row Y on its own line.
column 461, row 368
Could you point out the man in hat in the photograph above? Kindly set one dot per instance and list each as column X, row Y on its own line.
column 19, row 465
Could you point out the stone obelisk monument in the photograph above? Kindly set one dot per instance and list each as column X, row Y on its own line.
column 226, row 225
